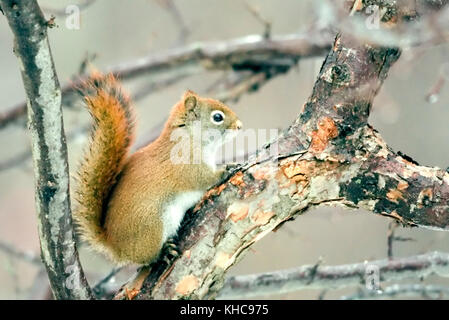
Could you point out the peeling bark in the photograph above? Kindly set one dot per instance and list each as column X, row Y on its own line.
column 49, row 149
column 268, row 194
column 330, row 155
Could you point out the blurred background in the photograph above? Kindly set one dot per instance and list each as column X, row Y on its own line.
column 113, row 32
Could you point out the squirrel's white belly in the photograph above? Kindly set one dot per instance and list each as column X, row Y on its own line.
column 175, row 210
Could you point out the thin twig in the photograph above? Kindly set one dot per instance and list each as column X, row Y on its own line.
column 245, row 85
column 333, row 277
column 82, row 5
column 249, row 52
column 22, row 255
column 101, row 288
column 410, row 290
column 390, row 237
column 355, row 168
column 140, row 93
column 178, row 19
column 259, row 16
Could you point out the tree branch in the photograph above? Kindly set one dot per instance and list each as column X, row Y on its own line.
column 333, row 277
column 58, row 249
column 330, row 155
column 177, row 18
column 247, row 84
column 422, row 22
column 62, row 12
column 252, row 53
column 413, row 290
column 25, row 256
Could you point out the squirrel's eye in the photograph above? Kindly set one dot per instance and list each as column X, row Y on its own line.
column 217, row 117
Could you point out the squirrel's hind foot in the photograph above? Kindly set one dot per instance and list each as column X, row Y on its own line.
column 170, row 250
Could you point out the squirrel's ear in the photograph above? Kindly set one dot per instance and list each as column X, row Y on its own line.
column 189, row 93
column 190, row 100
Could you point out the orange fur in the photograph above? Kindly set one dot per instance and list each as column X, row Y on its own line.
column 112, row 136
column 134, row 207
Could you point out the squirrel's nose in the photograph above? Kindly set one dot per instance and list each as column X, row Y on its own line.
column 239, row 124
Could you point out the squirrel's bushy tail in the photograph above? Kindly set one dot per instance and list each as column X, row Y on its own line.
column 111, row 138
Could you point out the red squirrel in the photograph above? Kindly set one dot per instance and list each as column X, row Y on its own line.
column 129, row 205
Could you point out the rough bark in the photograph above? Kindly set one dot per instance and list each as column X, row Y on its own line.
column 58, row 250
column 330, row 155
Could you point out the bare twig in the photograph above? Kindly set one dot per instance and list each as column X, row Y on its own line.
column 16, row 253
column 140, row 93
column 244, row 85
column 411, row 290
column 85, row 63
column 333, row 277
column 82, row 5
column 330, row 155
column 248, row 53
column 23, row 156
column 263, row 20
column 443, row 76
column 58, row 249
column 434, row 92
column 102, row 289
column 392, row 237
column 249, row 81
column 178, row 19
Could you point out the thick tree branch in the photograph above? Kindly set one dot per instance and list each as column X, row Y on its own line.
column 334, row 277
column 58, row 249
column 330, row 155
